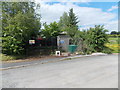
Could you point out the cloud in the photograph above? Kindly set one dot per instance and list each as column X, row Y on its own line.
column 112, row 26
column 113, row 8
column 63, row 0
column 88, row 16
column 77, row 0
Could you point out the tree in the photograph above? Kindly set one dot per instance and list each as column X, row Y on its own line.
column 113, row 33
column 100, row 37
column 20, row 23
column 118, row 32
column 63, row 23
column 94, row 39
column 73, row 21
column 51, row 30
column 68, row 22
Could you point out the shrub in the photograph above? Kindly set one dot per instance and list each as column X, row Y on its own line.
column 94, row 40
column 12, row 46
column 107, row 50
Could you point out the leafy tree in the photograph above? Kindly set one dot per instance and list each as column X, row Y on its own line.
column 87, row 42
column 99, row 36
column 94, row 39
column 63, row 23
column 20, row 23
column 118, row 32
column 68, row 22
column 51, row 30
column 113, row 33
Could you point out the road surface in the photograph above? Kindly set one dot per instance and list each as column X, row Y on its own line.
column 85, row 72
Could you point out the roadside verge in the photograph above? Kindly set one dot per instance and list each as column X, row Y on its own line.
column 24, row 64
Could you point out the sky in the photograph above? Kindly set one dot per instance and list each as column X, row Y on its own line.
column 89, row 13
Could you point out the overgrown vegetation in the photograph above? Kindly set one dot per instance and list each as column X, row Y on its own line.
column 20, row 23
column 94, row 40
column 51, row 30
column 5, row 57
column 91, row 40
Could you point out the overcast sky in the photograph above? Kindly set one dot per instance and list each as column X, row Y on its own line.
column 88, row 12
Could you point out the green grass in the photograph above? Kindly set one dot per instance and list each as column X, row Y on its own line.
column 10, row 57
column 113, row 44
column 113, row 40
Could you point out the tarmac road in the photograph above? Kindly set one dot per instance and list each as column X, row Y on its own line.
column 85, row 72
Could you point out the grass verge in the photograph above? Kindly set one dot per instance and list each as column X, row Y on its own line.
column 113, row 44
column 10, row 57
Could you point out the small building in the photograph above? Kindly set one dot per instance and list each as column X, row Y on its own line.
column 63, row 41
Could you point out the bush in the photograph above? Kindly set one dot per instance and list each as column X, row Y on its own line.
column 9, row 57
column 12, row 46
column 107, row 50
column 19, row 25
column 94, row 40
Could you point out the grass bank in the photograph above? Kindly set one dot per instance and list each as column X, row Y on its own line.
column 114, row 45
column 10, row 57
